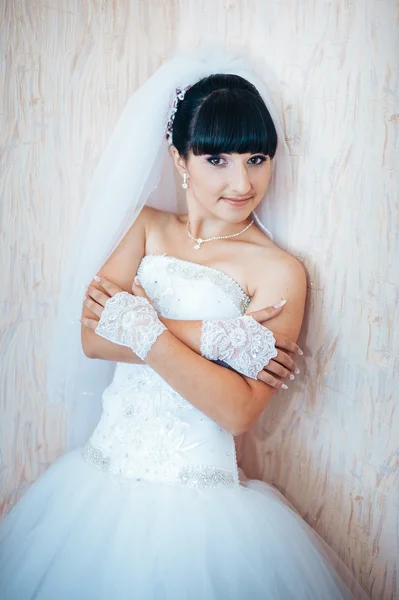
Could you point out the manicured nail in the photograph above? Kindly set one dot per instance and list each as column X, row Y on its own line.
column 285, row 387
column 297, row 371
column 137, row 281
column 97, row 278
column 300, row 352
column 292, row 376
column 281, row 303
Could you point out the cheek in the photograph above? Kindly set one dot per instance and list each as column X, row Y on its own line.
column 207, row 182
column 260, row 179
column 216, row 181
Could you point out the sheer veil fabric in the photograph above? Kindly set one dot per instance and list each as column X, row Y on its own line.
column 136, row 168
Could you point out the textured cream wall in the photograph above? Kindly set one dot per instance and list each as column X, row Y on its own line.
column 68, row 67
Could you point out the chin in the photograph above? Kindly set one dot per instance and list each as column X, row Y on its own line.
column 236, row 213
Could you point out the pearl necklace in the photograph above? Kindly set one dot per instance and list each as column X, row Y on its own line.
column 201, row 241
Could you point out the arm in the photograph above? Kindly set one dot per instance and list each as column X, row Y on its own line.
column 282, row 366
column 225, row 396
column 228, row 398
column 233, row 401
column 289, row 281
column 121, row 268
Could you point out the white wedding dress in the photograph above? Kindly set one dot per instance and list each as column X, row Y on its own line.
column 154, row 506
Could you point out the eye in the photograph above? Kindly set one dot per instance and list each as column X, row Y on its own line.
column 211, row 160
column 259, row 158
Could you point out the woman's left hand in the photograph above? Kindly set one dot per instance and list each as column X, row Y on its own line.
column 96, row 298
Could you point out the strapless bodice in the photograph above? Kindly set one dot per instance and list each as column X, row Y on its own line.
column 149, row 431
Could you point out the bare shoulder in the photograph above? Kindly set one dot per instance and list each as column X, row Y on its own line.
column 284, row 265
column 149, row 221
column 121, row 267
column 278, row 275
column 149, row 217
column 269, row 263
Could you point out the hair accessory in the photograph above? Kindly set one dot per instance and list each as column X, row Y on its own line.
column 179, row 96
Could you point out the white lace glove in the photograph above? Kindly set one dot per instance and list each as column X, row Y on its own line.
column 130, row 321
column 242, row 343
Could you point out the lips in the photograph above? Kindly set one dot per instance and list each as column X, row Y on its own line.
column 237, row 201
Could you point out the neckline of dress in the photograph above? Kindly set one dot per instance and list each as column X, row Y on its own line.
column 189, row 262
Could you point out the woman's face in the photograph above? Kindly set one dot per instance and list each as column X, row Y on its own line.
column 226, row 186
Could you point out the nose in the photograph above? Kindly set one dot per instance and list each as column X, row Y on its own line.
column 240, row 183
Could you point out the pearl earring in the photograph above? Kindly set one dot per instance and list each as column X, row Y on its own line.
column 184, row 184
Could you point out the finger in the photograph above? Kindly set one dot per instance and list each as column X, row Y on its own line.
column 272, row 381
column 265, row 314
column 108, row 286
column 89, row 323
column 138, row 289
column 285, row 359
column 97, row 295
column 94, row 307
column 286, row 344
column 277, row 369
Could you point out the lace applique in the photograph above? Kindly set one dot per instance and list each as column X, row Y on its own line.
column 243, row 343
column 143, row 429
column 148, row 431
column 142, row 385
column 130, row 321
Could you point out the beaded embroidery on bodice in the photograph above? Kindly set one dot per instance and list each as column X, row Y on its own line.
column 147, row 430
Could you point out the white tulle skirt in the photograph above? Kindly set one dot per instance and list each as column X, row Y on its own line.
column 77, row 534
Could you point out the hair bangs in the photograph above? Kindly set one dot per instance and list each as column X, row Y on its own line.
column 233, row 121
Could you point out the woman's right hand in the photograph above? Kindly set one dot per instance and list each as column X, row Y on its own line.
column 282, row 366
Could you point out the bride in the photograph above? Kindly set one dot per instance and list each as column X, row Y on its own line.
column 151, row 505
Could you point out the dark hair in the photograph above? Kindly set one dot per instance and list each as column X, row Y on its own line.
column 223, row 114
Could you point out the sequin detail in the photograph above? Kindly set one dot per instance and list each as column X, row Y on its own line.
column 198, row 476
column 205, row 476
column 190, row 270
column 94, row 456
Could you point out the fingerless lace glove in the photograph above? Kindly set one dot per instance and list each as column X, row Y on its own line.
column 242, row 343
column 130, row 321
